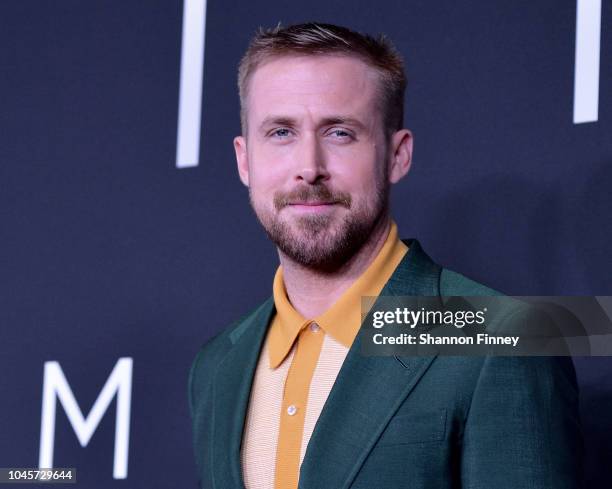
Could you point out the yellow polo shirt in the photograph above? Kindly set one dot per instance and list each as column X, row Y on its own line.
column 294, row 378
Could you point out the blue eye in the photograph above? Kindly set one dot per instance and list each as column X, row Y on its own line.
column 282, row 132
column 340, row 134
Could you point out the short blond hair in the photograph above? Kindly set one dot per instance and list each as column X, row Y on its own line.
column 312, row 39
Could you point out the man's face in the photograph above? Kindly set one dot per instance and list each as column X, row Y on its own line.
column 315, row 158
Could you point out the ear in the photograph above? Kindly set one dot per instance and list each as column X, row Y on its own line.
column 242, row 159
column 400, row 154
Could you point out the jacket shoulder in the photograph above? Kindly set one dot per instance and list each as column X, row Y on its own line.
column 213, row 351
column 454, row 283
column 457, row 289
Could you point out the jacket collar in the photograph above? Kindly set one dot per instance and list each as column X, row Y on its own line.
column 350, row 422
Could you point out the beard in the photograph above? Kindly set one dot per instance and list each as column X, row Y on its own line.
column 323, row 243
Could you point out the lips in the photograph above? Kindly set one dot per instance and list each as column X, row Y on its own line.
column 311, row 203
column 311, row 207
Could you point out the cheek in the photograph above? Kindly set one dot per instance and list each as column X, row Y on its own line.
column 265, row 181
column 270, row 167
column 359, row 172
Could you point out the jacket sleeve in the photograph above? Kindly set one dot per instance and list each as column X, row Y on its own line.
column 522, row 428
column 199, row 393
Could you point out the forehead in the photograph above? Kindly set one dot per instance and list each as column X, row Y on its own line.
column 313, row 85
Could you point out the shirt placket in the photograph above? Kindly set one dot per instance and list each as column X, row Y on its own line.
column 293, row 409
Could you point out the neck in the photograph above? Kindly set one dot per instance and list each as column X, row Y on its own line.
column 312, row 292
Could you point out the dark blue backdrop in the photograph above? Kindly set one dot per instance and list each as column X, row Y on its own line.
column 109, row 250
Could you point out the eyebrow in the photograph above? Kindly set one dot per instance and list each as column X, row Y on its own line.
column 327, row 121
column 274, row 120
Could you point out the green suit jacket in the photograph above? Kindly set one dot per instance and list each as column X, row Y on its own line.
column 402, row 422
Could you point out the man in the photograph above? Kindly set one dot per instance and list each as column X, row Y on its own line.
column 284, row 397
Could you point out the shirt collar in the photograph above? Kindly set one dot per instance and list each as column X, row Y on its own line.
column 343, row 319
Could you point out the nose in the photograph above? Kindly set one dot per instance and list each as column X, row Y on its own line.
column 311, row 165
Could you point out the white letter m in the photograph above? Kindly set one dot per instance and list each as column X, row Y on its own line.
column 119, row 382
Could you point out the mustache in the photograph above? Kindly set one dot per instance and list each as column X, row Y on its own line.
column 315, row 193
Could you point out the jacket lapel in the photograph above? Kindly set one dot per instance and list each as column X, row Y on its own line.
column 367, row 391
column 231, row 392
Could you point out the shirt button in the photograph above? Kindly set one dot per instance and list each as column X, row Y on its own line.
column 314, row 327
column 291, row 410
